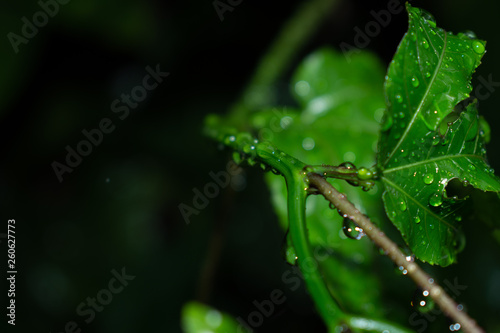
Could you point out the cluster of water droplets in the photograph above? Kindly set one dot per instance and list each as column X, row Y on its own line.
column 422, row 301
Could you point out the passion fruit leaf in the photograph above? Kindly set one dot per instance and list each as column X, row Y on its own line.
column 429, row 75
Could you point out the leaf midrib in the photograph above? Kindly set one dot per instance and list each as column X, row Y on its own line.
column 424, row 98
column 432, row 160
column 425, row 208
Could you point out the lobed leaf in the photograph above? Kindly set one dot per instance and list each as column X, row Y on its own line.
column 429, row 75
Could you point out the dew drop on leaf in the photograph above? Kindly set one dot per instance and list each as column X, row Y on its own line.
column 478, row 47
column 470, row 34
column 387, row 124
column 414, row 82
column 417, row 219
column 352, row 230
column 290, row 255
column 435, row 199
column 422, row 301
column 425, row 44
column 428, row 178
column 399, row 98
column 427, row 74
column 402, row 205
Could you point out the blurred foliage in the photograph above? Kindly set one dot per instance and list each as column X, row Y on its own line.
column 119, row 207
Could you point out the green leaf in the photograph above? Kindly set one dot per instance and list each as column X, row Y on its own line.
column 421, row 149
column 340, row 105
column 200, row 318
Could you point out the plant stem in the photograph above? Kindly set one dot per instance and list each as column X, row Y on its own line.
column 422, row 279
column 291, row 169
column 293, row 35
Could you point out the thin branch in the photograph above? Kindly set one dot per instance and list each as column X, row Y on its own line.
column 422, row 279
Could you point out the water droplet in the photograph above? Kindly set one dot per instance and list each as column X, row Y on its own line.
column 435, row 140
column 348, row 165
column 365, row 174
column 387, row 123
column 352, row 230
column 302, row 88
column 414, row 82
column 471, row 167
column 455, row 327
column 427, row 74
column 402, row 270
column 413, row 36
column 399, row 98
column 478, row 47
column 429, row 19
column 425, row 44
column 417, row 219
column 436, row 199
column 402, row 205
column 422, row 301
column 428, row 178
column 288, row 250
column 248, row 148
column 470, row 34
column 308, row 143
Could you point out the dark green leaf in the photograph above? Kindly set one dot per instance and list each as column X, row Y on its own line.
column 418, row 153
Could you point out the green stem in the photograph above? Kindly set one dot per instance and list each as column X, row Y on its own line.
column 293, row 36
column 295, row 179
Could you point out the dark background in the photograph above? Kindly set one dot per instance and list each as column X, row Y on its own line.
column 119, row 207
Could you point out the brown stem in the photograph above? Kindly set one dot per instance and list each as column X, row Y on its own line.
column 422, row 279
